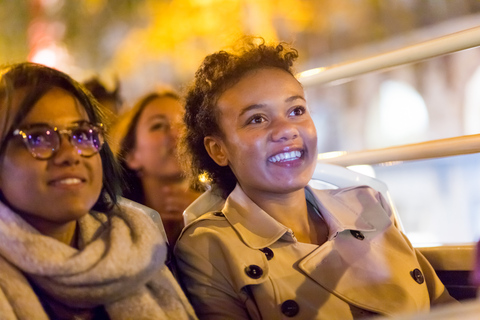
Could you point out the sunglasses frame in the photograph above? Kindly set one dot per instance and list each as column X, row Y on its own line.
column 98, row 127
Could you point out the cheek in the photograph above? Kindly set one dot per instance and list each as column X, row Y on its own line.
column 247, row 152
column 310, row 132
column 97, row 171
column 19, row 185
column 152, row 143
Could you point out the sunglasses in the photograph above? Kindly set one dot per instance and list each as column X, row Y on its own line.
column 43, row 141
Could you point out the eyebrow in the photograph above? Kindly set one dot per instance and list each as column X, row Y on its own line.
column 252, row 107
column 293, row 98
column 156, row 117
column 261, row 105
column 47, row 124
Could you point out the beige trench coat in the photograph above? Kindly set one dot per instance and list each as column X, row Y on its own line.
column 242, row 264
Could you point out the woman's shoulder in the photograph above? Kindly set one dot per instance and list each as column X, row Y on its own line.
column 210, row 234
column 212, row 242
column 212, row 224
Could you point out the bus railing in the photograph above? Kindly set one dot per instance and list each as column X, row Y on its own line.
column 448, row 44
column 417, row 151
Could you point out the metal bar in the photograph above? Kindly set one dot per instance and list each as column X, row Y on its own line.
column 454, row 42
column 417, row 151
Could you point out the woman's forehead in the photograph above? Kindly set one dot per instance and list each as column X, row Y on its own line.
column 56, row 104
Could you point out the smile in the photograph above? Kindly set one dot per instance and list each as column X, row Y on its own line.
column 285, row 156
column 70, row 181
column 67, row 181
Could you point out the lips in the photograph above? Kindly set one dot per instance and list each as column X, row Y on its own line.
column 286, row 156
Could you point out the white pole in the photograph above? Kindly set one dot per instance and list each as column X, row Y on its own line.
column 454, row 42
column 417, row 151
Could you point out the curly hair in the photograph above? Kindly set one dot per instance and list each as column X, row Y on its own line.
column 36, row 80
column 219, row 72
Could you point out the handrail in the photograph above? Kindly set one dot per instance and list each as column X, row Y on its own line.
column 454, row 42
column 424, row 150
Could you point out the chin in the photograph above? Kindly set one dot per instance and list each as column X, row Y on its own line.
column 294, row 183
column 171, row 175
column 286, row 188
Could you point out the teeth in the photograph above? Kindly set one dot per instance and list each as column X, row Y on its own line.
column 70, row 181
column 287, row 156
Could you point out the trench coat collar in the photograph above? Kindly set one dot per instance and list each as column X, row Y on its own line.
column 259, row 230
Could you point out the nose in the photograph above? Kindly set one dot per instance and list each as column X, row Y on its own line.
column 66, row 154
column 284, row 130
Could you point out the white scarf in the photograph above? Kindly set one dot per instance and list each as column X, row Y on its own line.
column 120, row 265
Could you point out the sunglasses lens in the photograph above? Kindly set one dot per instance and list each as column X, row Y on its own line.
column 88, row 140
column 42, row 142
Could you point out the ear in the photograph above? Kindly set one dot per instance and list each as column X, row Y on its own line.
column 216, row 150
column 132, row 161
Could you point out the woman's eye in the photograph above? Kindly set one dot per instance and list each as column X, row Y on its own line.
column 159, row 126
column 256, row 119
column 83, row 135
column 298, row 111
column 37, row 139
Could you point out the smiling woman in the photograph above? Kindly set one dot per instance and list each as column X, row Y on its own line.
column 280, row 248
column 147, row 137
column 69, row 248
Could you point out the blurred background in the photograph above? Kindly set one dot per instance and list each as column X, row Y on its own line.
column 144, row 43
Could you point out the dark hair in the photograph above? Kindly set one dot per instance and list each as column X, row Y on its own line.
column 100, row 92
column 124, row 134
column 219, row 72
column 37, row 80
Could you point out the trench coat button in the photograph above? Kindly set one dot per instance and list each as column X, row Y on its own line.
column 268, row 253
column 218, row 214
column 357, row 234
column 417, row 276
column 290, row 308
column 253, row 271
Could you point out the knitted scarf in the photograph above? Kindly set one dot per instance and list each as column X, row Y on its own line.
column 120, row 265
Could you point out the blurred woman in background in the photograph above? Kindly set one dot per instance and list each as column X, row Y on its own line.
column 69, row 249
column 146, row 141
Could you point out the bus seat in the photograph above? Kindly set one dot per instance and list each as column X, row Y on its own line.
column 330, row 176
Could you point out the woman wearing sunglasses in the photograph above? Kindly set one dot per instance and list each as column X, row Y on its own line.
column 69, row 248
column 278, row 248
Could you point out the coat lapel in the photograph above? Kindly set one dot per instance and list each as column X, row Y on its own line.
column 372, row 273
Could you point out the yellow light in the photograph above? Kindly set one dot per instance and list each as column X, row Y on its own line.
column 311, row 72
column 203, row 178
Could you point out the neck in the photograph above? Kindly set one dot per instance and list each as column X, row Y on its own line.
column 288, row 209
column 154, row 189
column 63, row 232
column 169, row 197
column 292, row 211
